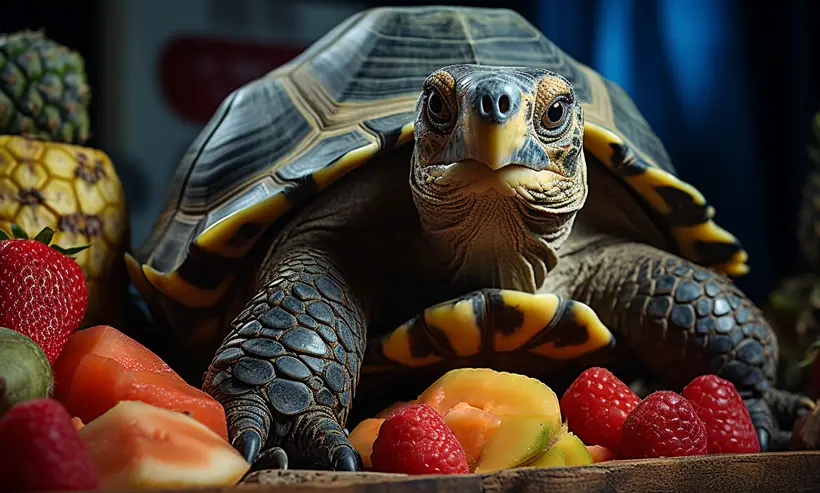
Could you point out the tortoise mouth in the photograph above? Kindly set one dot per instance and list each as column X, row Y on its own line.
column 513, row 179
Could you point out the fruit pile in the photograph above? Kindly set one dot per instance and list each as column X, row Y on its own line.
column 146, row 426
column 480, row 420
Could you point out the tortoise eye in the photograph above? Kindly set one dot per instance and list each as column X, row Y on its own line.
column 556, row 113
column 438, row 112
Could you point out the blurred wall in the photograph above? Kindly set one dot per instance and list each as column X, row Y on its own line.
column 729, row 85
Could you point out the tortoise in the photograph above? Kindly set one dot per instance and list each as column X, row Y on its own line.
column 427, row 188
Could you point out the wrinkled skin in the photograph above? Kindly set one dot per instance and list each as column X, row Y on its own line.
column 500, row 196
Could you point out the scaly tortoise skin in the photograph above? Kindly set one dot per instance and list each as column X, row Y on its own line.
column 540, row 204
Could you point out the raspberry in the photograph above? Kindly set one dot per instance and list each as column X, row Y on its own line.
column 42, row 450
column 596, row 406
column 720, row 407
column 663, row 425
column 415, row 440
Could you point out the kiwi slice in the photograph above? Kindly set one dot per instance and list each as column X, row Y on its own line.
column 24, row 370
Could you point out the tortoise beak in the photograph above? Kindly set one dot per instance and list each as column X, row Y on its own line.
column 496, row 124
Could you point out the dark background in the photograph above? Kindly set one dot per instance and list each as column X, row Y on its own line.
column 730, row 87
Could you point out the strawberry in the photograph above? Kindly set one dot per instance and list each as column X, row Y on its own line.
column 596, row 405
column 414, row 439
column 728, row 425
column 42, row 451
column 43, row 293
column 663, row 425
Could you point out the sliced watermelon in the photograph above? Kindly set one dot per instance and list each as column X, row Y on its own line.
column 99, row 383
column 138, row 446
column 108, row 342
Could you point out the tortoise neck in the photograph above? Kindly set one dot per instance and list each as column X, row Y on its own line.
column 492, row 241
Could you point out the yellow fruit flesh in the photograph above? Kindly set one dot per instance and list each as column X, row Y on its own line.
column 500, row 393
column 472, row 428
column 574, row 451
column 551, row 458
column 363, row 436
column 517, row 441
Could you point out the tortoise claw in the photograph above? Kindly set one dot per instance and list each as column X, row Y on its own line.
column 346, row 459
column 763, row 437
column 274, row 458
column 248, row 444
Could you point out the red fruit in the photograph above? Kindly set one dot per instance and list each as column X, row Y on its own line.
column 43, row 293
column 596, row 406
column 99, row 383
column 415, row 440
column 663, row 425
column 42, row 450
column 729, row 426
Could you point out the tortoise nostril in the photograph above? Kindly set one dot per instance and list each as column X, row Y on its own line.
column 486, row 104
column 504, row 104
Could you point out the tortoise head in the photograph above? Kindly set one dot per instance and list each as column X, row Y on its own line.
column 498, row 169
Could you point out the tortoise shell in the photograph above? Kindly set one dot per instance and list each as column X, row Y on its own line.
column 280, row 140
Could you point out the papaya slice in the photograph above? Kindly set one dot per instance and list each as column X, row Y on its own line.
column 363, row 436
column 135, row 445
column 599, row 453
column 501, row 419
column 498, row 393
column 108, row 342
column 99, row 383
column 472, row 427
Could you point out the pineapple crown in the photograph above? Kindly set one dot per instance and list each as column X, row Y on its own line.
column 45, row 236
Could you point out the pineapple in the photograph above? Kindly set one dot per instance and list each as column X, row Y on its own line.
column 46, row 179
column 43, row 89
column 76, row 192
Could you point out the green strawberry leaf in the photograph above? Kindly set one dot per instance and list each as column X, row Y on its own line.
column 69, row 252
column 45, row 236
column 18, row 232
column 4, row 235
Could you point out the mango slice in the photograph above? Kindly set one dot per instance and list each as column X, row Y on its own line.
column 551, row 458
column 363, row 436
column 574, row 450
column 501, row 419
column 472, row 427
column 599, row 453
column 517, row 441
column 138, row 445
column 498, row 393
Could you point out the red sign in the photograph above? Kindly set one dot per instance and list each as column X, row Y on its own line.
column 197, row 73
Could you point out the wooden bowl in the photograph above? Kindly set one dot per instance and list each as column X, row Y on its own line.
column 791, row 472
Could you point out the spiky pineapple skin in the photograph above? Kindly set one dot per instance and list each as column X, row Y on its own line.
column 76, row 192
column 44, row 91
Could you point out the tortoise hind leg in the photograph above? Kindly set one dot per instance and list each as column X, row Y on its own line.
column 286, row 373
column 682, row 321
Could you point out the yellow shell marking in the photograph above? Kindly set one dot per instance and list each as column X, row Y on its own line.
column 598, row 336
column 597, row 141
column 173, row 285
column 396, row 347
column 216, row 238
column 537, row 309
column 457, row 322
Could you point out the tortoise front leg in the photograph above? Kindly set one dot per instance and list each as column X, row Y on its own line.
column 286, row 373
column 682, row 321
